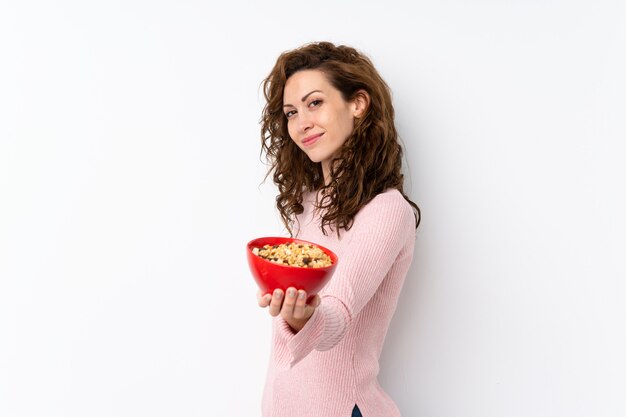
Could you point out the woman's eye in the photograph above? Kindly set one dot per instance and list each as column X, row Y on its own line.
column 315, row 102
column 289, row 113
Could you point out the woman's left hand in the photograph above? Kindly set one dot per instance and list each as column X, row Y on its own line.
column 291, row 306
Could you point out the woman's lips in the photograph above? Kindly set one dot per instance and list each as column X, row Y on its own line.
column 310, row 140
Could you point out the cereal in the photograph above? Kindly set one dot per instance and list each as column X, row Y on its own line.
column 294, row 254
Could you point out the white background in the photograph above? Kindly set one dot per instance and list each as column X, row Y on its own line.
column 130, row 181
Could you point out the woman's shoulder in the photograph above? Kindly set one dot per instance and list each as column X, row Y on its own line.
column 390, row 203
column 390, row 194
column 391, row 197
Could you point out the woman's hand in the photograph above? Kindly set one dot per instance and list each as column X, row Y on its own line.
column 292, row 307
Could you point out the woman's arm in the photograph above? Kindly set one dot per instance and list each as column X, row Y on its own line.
column 380, row 231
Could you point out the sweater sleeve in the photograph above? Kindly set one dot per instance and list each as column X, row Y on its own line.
column 380, row 230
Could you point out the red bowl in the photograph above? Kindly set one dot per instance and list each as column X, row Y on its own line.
column 270, row 276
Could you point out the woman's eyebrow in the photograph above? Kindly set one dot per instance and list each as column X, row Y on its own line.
column 304, row 97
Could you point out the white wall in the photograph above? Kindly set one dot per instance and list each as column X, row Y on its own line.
column 129, row 184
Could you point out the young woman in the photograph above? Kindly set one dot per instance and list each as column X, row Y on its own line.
column 328, row 132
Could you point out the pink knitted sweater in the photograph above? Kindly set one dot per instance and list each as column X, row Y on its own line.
column 332, row 363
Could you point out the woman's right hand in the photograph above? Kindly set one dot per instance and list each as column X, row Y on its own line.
column 292, row 307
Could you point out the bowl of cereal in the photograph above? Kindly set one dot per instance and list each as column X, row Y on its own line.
column 281, row 262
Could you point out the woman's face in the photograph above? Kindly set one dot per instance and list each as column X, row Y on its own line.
column 319, row 120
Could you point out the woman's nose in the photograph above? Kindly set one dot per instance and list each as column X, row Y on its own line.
column 305, row 122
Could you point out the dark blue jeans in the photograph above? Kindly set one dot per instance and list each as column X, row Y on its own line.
column 356, row 412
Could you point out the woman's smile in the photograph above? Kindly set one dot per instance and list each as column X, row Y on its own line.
column 310, row 140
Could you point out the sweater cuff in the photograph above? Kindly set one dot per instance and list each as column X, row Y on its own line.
column 297, row 345
column 322, row 332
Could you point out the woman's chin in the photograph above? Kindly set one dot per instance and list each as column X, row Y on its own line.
column 315, row 157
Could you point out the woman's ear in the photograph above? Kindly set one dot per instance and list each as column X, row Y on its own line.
column 361, row 102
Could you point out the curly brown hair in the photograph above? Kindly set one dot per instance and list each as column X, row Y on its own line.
column 368, row 163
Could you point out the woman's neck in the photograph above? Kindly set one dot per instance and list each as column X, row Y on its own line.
column 326, row 172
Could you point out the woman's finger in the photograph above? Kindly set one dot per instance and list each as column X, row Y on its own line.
column 276, row 303
column 263, row 299
column 290, row 301
column 316, row 301
column 299, row 309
